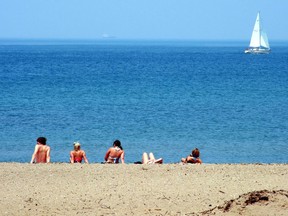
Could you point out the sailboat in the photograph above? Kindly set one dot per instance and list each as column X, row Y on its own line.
column 259, row 41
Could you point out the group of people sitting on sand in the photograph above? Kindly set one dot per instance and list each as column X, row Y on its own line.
column 114, row 155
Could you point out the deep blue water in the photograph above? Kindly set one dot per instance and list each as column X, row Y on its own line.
column 165, row 98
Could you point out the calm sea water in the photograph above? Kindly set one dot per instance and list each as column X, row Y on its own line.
column 166, row 98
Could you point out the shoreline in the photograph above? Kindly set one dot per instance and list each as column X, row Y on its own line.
column 134, row 163
column 171, row 189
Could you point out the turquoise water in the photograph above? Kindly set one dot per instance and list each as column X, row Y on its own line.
column 166, row 98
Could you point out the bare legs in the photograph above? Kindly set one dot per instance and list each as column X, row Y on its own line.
column 151, row 159
column 145, row 158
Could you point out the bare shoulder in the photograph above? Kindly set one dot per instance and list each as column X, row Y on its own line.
column 47, row 149
column 37, row 147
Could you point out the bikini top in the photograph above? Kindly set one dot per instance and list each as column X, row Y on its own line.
column 117, row 149
column 193, row 158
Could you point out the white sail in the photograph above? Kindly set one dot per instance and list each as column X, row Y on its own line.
column 264, row 40
column 255, row 38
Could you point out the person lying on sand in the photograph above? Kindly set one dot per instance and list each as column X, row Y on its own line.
column 193, row 158
column 42, row 152
column 115, row 153
column 77, row 155
column 151, row 159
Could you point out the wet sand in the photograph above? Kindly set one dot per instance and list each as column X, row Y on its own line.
column 168, row 189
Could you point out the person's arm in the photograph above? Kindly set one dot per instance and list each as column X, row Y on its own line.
column 48, row 155
column 184, row 160
column 107, row 154
column 122, row 157
column 34, row 154
column 85, row 158
column 189, row 159
column 71, row 157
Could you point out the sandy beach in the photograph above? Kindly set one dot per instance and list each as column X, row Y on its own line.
column 168, row 189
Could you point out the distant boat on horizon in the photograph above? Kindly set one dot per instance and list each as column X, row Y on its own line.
column 259, row 41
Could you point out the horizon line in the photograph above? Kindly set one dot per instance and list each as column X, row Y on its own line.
column 118, row 41
column 130, row 39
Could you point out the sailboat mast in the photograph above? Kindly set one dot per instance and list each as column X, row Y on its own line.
column 259, row 29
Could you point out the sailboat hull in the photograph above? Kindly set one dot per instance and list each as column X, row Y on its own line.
column 257, row 51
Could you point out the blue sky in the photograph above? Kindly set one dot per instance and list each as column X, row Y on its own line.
column 141, row 19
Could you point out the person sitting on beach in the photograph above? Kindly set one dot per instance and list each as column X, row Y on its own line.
column 151, row 159
column 77, row 155
column 115, row 153
column 42, row 151
column 193, row 158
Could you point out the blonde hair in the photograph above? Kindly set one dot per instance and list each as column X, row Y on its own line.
column 77, row 145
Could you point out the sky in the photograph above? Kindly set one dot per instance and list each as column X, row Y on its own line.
column 141, row 19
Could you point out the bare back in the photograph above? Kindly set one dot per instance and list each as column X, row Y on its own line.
column 41, row 154
column 114, row 154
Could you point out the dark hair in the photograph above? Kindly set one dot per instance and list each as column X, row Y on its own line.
column 118, row 144
column 196, row 153
column 42, row 140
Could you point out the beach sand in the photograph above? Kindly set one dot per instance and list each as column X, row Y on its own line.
column 168, row 189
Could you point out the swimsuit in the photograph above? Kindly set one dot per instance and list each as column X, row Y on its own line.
column 114, row 159
column 77, row 159
column 194, row 159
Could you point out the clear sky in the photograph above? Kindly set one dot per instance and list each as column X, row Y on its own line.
column 141, row 19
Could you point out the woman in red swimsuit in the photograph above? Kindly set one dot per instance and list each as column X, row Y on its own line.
column 77, row 155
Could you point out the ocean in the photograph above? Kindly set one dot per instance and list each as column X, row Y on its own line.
column 162, row 97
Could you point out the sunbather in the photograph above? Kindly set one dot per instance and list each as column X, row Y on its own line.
column 151, row 159
column 115, row 153
column 77, row 155
column 193, row 158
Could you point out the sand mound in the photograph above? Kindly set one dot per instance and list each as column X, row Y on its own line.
column 254, row 203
